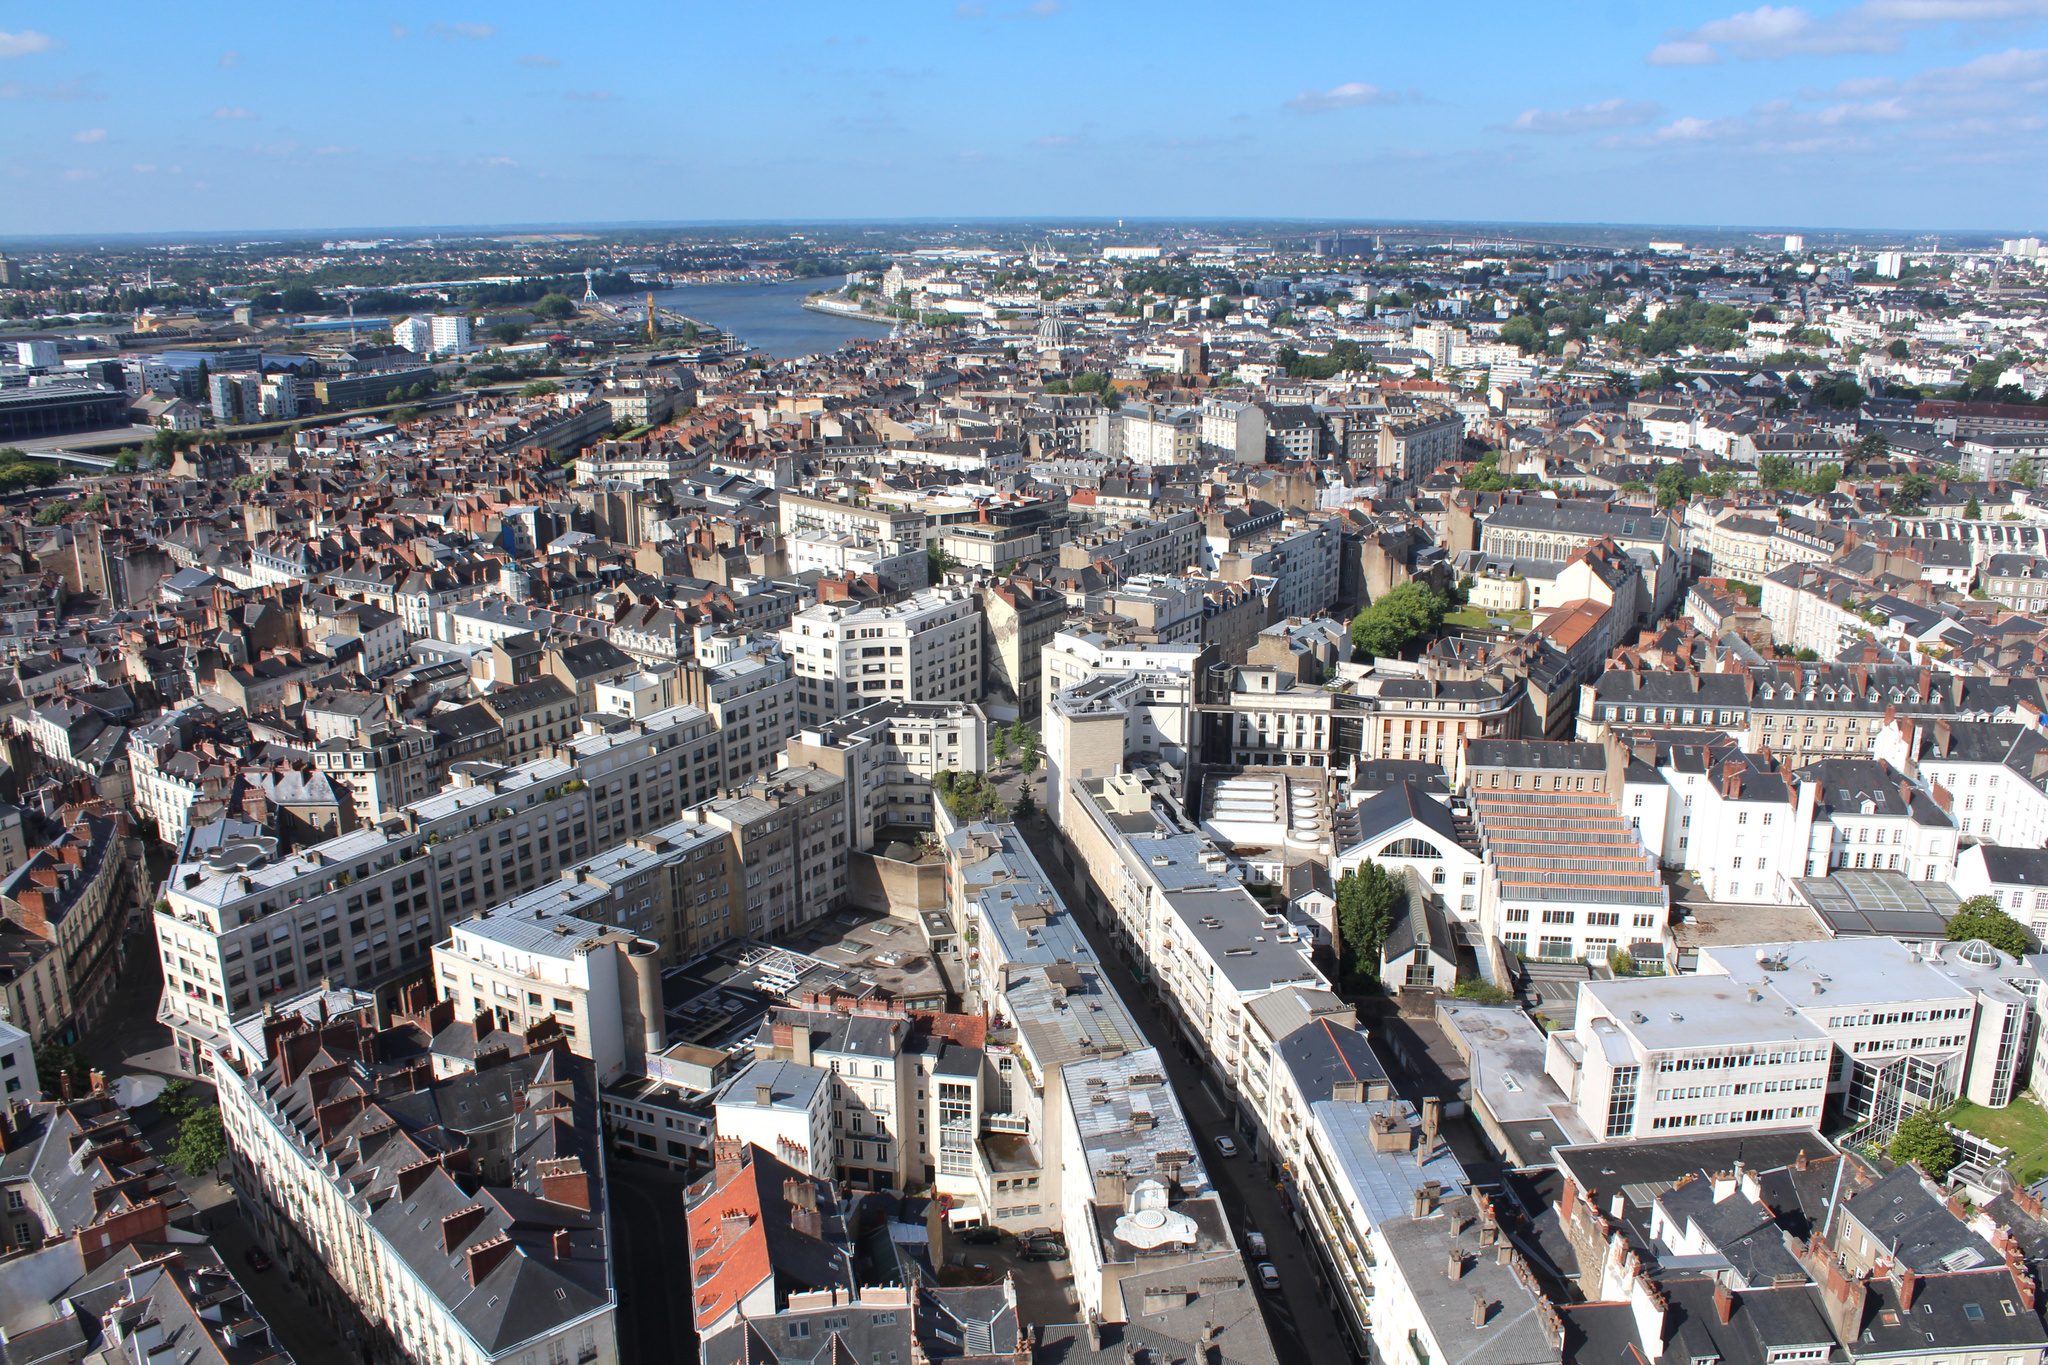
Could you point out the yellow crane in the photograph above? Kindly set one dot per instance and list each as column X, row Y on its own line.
column 650, row 317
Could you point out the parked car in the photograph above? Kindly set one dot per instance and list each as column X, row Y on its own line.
column 1269, row 1278
column 980, row 1236
column 256, row 1259
column 1255, row 1241
column 1226, row 1145
column 1043, row 1249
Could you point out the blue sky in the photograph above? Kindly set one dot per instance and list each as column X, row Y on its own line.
column 1879, row 114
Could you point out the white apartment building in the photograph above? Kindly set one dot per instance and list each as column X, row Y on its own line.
column 1074, row 655
column 1911, row 1028
column 1867, row 815
column 1235, row 431
column 1993, row 772
column 885, row 525
column 415, row 334
column 1092, row 727
column 926, row 648
column 2016, row 878
column 246, row 924
column 836, row 554
column 451, row 334
column 781, row 1107
column 888, row 753
column 1302, row 561
column 1651, row 1055
column 550, row 952
column 1741, row 827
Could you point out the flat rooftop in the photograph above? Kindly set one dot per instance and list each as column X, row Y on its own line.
column 1669, row 1014
column 1879, row 904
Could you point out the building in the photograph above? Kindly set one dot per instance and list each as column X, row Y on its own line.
column 887, row 754
column 782, row 1107
column 76, row 894
column 459, row 1216
column 924, row 648
column 451, row 334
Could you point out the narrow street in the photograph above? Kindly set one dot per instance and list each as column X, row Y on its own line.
column 1299, row 1312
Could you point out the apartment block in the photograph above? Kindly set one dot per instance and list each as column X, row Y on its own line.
column 887, row 754
column 925, row 648
column 74, row 893
column 458, row 1217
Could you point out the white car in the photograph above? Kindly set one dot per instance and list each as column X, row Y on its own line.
column 1226, row 1145
column 1268, row 1277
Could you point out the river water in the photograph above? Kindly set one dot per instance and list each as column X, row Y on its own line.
column 770, row 317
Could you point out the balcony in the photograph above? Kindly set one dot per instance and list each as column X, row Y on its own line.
column 1005, row 1123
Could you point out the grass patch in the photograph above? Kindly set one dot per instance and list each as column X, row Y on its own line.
column 1483, row 620
column 2021, row 1126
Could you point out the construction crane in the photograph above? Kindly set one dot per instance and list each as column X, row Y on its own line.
column 650, row 318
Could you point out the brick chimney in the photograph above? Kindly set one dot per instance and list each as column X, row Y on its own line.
column 1724, row 1303
column 1909, row 1285
column 485, row 1256
column 456, row 1226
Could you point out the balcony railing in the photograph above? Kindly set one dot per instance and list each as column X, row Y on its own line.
column 1006, row 1123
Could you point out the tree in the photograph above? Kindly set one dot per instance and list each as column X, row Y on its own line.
column 1909, row 498
column 247, row 482
column 1898, row 350
column 1775, row 471
column 1368, row 898
column 381, row 337
column 1867, row 451
column 202, row 1143
column 1025, row 807
column 508, row 332
column 1973, row 510
column 1025, row 740
column 127, row 460
column 1396, row 620
column 1980, row 917
column 555, row 306
column 540, row 388
column 51, row 513
column 1670, row 486
column 1483, row 992
column 176, row 1102
column 55, row 1061
column 2022, row 471
column 1923, row 1140
column 402, row 415
column 938, row 562
column 998, row 744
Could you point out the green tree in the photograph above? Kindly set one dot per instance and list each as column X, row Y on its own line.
column 176, row 1101
column 1483, row 992
column 127, row 460
column 1922, row 1139
column 2022, row 471
column 1670, row 486
column 246, row 482
column 1898, row 350
column 540, row 388
column 1396, row 620
column 555, row 306
column 1909, row 498
column 938, row 562
column 998, row 744
column 1822, row 481
column 1870, row 450
column 55, row 1061
column 1025, row 807
column 1980, row 917
column 1973, row 510
column 1025, row 740
column 402, row 415
column 51, row 513
column 1368, row 898
column 202, row 1143
column 1775, row 471
column 508, row 332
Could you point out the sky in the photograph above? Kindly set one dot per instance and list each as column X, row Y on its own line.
column 1883, row 114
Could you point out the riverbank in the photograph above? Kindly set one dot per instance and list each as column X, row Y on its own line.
column 772, row 320
column 852, row 312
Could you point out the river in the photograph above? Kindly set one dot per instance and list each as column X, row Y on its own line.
column 771, row 317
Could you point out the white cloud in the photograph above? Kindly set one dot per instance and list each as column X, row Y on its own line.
column 1350, row 95
column 1769, row 32
column 231, row 58
column 90, row 135
column 588, row 96
column 25, row 42
column 398, row 32
column 1689, row 129
column 539, row 59
column 473, row 32
column 1044, row 9
column 237, row 112
column 1682, row 54
column 969, row 9
column 1614, row 113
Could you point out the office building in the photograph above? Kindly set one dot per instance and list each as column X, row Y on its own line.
column 451, row 334
column 925, row 648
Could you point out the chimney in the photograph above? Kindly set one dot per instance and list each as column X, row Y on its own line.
column 1724, row 1303
column 1479, row 1310
column 1454, row 1264
column 485, row 1256
column 1909, row 1285
column 763, row 1095
column 562, row 1247
column 1800, row 1164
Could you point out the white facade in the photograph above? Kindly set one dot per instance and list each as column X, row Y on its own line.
column 926, row 648
column 784, row 1108
column 415, row 334
column 451, row 334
